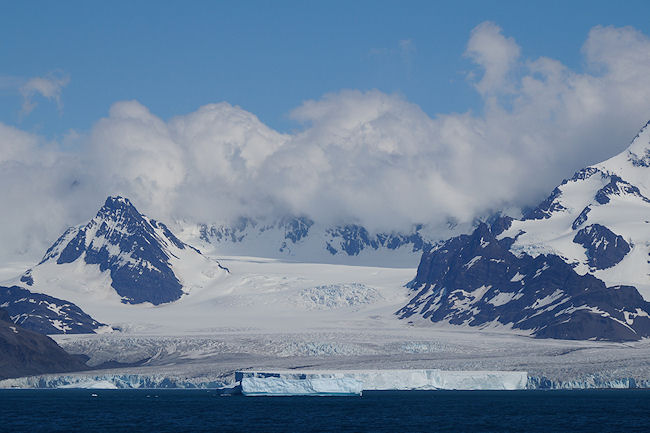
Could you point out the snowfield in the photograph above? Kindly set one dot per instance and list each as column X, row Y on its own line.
column 337, row 296
column 256, row 293
column 271, row 314
column 615, row 194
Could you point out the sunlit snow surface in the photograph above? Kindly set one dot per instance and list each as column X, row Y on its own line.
column 262, row 315
column 625, row 211
column 256, row 293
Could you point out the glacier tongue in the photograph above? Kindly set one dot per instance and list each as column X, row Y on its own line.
column 351, row 382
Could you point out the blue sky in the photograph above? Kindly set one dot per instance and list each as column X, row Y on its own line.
column 268, row 57
column 386, row 114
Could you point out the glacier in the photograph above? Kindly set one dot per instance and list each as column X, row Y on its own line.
column 350, row 384
column 110, row 381
column 292, row 382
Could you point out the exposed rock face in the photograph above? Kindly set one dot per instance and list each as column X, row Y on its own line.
column 45, row 314
column 139, row 253
column 577, row 266
column 546, row 208
column 604, row 208
column 27, row 353
column 303, row 238
column 604, row 248
column 618, row 187
column 351, row 239
column 476, row 280
column 574, row 267
column 130, row 246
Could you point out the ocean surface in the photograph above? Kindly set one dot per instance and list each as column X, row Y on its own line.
column 414, row 411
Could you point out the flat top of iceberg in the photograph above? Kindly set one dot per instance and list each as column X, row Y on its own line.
column 283, row 382
column 377, row 371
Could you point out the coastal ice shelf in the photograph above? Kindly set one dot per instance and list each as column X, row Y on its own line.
column 353, row 382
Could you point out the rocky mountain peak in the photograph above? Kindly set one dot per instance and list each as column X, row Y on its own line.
column 139, row 252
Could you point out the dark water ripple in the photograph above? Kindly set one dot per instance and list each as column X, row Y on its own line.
column 442, row 411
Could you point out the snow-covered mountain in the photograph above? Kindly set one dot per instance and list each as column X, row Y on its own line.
column 302, row 239
column 121, row 256
column 46, row 314
column 577, row 266
column 598, row 220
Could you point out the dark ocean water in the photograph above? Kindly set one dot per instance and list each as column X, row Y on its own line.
column 452, row 411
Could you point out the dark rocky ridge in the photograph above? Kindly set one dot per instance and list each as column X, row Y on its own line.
column 604, row 247
column 133, row 248
column 45, row 314
column 618, row 186
column 347, row 239
column 478, row 279
column 27, row 353
column 354, row 238
column 475, row 280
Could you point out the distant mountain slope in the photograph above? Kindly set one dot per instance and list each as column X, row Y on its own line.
column 476, row 280
column 45, row 314
column 302, row 239
column 598, row 220
column 27, row 353
column 121, row 255
column 577, row 266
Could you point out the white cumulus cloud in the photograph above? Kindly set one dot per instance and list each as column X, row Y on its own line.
column 366, row 157
column 495, row 53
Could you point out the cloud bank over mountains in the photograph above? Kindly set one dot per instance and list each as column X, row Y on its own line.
column 365, row 157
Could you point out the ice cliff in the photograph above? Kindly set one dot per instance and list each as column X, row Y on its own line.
column 295, row 382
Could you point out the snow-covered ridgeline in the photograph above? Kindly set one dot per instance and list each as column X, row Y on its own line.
column 598, row 220
column 304, row 240
column 575, row 267
column 119, row 257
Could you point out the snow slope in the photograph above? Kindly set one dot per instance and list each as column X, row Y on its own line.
column 257, row 293
column 121, row 257
column 577, row 266
column 45, row 314
column 130, row 272
column 304, row 240
column 613, row 194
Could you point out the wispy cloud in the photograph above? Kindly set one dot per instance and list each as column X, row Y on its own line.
column 48, row 87
column 404, row 49
column 406, row 46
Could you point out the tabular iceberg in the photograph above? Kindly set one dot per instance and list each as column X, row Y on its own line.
column 353, row 382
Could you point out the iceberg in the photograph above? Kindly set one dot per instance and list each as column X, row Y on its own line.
column 354, row 382
column 91, row 384
column 263, row 384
